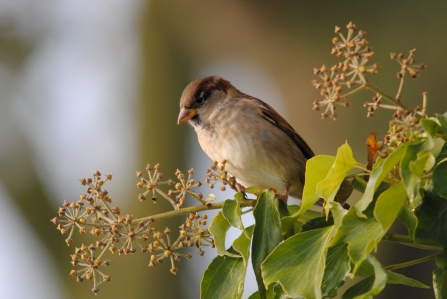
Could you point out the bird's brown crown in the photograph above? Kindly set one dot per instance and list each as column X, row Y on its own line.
column 203, row 87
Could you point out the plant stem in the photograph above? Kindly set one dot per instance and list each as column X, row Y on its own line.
column 390, row 98
column 411, row 263
column 405, row 240
column 194, row 209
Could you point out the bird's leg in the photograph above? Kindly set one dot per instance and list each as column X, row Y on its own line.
column 241, row 188
column 285, row 195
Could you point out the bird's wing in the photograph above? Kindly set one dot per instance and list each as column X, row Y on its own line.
column 274, row 117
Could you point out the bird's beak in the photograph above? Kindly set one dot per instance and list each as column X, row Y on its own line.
column 186, row 114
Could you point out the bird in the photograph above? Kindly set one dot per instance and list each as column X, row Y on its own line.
column 259, row 146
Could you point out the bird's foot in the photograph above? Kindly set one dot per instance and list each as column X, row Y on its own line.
column 285, row 195
column 241, row 188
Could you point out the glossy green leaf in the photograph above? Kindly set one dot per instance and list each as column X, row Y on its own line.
column 302, row 253
column 317, row 169
column 274, row 291
column 412, row 167
column 232, row 211
column 336, row 270
column 440, row 276
column 266, row 234
column 430, row 126
column 443, row 121
column 377, row 176
column 396, row 278
column 371, row 285
column 440, row 179
column 363, row 234
column 344, row 163
column 224, row 278
column 389, row 204
column 252, row 190
column 219, row 228
column 432, row 219
column 408, row 219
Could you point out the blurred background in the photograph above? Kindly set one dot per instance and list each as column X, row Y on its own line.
column 88, row 85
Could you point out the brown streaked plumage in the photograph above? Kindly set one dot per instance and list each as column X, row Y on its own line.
column 260, row 147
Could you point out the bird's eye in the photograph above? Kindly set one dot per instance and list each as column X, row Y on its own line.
column 200, row 99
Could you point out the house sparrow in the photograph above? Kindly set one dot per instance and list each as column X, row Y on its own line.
column 259, row 146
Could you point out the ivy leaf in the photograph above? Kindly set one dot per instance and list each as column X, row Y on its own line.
column 317, row 168
column 336, row 270
column 363, row 234
column 439, row 179
column 219, row 228
column 377, row 176
column 412, row 167
column 432, row 219
column 369, row 286
column 302, row 253
column 231, row 210
column 389, row 204
column 440, row 276
column 266, row 234
column 274, row 291
column 443, row 121
column 396, row 278
column 327, row 188
column 223, row 278
column 252, row 190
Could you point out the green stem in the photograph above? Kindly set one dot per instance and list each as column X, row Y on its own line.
column 411, row 263
column 405, row 240
column 194, row 209
column 390, row 98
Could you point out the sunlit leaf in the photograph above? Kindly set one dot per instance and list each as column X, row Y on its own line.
column 302, row 253
column 327, row 188
column 232, row 211
column 252, row 190
column 396, row 278
column 379, row 173
column 371, row 285
column 219, row 228
column 389, row 204
column 266, row 234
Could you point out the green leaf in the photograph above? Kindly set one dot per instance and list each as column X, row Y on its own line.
column 377, row 176
column 232, row 211
column 219, row 228
column 439, row 179
column 224, row 278
column 442, row 153
column 298, row 263
column 370, row 286
column 344, row 163
column 443, row 121
column 252, row 190
column 412, row 167
column 363, row 234
column 389, row 204
column 242, row 243
column 396, row 278
column 432, row 219
column 408, row 219
column 336, row 270
column 274, row 291
column 440, row 276
column 266, row 234
column 430, row 126
column 317, row 168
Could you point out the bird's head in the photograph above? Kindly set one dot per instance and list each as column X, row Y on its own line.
column 202, row 96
